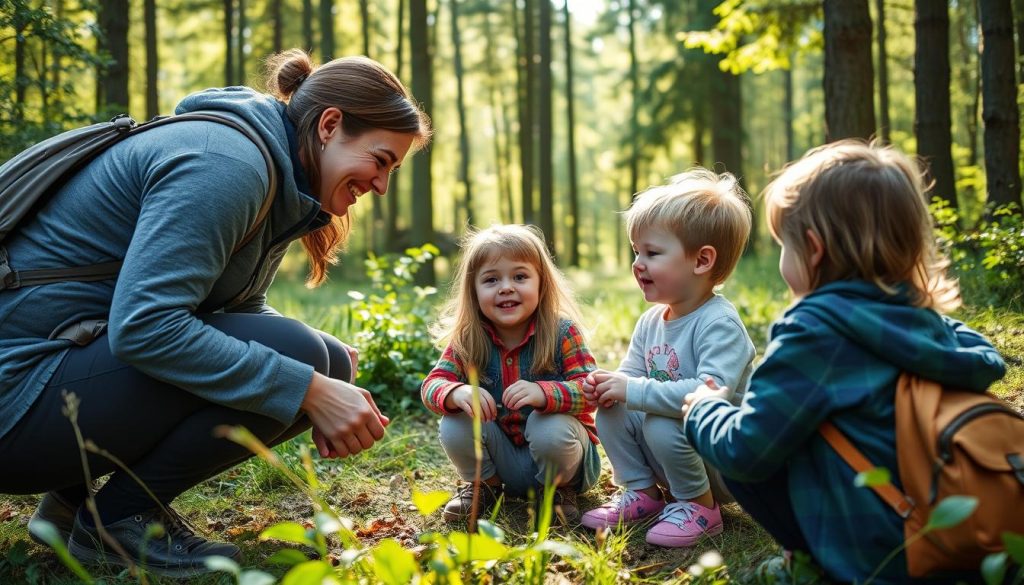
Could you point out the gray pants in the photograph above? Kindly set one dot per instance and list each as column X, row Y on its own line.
column 648, row 449
column 555, row 444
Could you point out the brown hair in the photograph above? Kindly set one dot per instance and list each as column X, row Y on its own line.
column 702, row 208
column 371, row 98
column 462, row 323
column 866, row 202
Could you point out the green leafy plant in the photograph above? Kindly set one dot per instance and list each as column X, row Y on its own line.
column 390, row 324
column 988, row 258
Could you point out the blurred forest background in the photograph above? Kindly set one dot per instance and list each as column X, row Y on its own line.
column 556, row 112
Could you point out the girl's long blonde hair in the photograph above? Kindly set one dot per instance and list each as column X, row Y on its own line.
column 867, row 204
column 462, row 323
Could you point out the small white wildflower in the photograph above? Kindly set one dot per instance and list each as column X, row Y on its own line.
column 695, row 570
column 711, row 559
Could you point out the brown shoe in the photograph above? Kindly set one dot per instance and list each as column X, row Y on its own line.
column 458, row 508
column 565, row 507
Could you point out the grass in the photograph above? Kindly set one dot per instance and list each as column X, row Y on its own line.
column 373, row 488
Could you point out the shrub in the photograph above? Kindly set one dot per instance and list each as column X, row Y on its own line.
column 988, row 258
column 390, row 327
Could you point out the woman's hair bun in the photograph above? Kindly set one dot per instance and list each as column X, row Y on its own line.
column 286, row 71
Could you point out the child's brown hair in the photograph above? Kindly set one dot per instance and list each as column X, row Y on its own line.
column 867, row 205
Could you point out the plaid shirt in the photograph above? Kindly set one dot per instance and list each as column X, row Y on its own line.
column 836, row 355
column 563, row 390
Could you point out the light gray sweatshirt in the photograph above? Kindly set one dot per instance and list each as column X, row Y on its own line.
column 667, row 360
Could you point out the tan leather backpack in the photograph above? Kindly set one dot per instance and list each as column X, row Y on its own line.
column 950, row 442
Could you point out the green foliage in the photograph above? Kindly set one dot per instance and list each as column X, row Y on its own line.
column 390, row 327
column 988, row 258
column 759, row 36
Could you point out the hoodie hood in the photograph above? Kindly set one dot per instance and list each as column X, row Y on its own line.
column 266, row 115
column 914, row 339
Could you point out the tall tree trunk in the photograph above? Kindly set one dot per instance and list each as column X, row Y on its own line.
column 229, row 42
column 113, row 21
column 364, row 14
column 570, row 130
column 634, row 117
column 545, row 120
column 326, row 30
column 849, row 96
column 460, row 106
column 970, row 79
column 393, row 197
column 56, row 65
column 276, row 12
column 525, row 73
column 152, row 59
column 883, row 74
column 506, row 211
column 422, row 88
column 242, row 23
column 1018, row 17
column 20, row 76
column 307, row 25
column 932, row 123
column 999, row 103
column 787, row 110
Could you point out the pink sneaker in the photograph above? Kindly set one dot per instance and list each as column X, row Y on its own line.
column 684, row 523
column 628, row 507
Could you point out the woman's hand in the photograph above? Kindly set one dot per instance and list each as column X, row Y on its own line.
column 523, row 393
column 345, row 418
column 462, row 399
column 708, row 388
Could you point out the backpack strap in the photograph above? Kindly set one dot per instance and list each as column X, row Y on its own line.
column 896, row 499
column 11, row 279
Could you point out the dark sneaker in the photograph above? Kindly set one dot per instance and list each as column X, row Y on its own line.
column 565, row 507
column 179, row 552
column 55, row 510
column 459, row 506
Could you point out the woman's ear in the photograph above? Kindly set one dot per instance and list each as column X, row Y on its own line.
column 816, row 248
column 705, row 260
column 329, row 123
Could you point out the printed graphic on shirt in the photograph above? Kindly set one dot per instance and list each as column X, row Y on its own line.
column 663, row 363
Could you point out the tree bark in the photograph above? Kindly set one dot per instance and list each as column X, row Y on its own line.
column 545, row 134
column 932, row 123
column 152, row 59
column 240, row 43
column 634, row 116
column 278, row 41
column 307, row 25
column 393, row 197
column 113, row 21
column 525, row 73
column 849, row 96
column 999, row 103
column 326, row 30
column 422, row 88
column 460, row 105
column 883, row 75
column 364, row 13
column 229, row 42
column 570, row 128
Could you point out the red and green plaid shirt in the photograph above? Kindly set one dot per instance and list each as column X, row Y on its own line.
column 563, row 393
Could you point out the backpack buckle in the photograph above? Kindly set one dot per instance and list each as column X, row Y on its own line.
column 9, row 279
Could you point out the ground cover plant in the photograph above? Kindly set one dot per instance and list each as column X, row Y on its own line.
column 371, row 518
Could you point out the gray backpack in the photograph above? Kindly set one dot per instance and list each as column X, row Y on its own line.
column 28, row 180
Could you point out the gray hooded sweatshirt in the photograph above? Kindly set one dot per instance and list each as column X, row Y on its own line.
column 172, row 202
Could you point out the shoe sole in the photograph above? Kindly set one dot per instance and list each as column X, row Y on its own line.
column 683, row 542
column 92, row 557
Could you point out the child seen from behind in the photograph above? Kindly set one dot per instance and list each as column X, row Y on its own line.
column 512, row 318
column 687, row 236
column 859, row 256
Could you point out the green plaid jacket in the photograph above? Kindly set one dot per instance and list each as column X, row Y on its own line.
column 836, row 355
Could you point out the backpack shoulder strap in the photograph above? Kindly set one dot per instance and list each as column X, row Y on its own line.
column 10, row 279
column 896, row 499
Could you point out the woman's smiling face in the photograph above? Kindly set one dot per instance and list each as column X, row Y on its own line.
column 351, row 166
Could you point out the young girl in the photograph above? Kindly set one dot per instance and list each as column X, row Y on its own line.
column 512, row 319
column 859, row 256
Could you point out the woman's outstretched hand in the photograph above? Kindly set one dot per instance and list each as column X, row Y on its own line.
column 345, row 418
